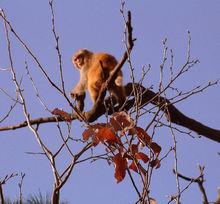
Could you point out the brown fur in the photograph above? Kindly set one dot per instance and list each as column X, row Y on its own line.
column 95, row 69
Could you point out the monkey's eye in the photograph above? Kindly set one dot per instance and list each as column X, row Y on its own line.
column 75, row 59
column 78, row 61
column 78, row 58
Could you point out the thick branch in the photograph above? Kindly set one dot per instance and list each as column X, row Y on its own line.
column 174, row 114
column 148, row 96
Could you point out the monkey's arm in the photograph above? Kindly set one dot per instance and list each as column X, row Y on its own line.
column 79, row 92
column 80, row 89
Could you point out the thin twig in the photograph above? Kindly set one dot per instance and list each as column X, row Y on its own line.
column 199, row 180
column 57, row 45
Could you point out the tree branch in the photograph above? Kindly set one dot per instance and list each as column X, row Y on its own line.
column 148, row 96
column 199, row 180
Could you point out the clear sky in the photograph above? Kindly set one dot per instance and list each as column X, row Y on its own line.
column 98, row 25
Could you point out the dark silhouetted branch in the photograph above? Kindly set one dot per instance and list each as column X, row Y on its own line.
column 148, row 96
column 199, row 180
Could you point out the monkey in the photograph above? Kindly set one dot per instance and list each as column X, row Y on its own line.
column 95, row 68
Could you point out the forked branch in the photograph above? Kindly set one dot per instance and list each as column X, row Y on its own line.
column 148, row 96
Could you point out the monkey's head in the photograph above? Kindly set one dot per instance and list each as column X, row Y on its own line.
column 81, row 58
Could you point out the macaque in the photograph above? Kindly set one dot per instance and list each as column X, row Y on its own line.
column 95, row 69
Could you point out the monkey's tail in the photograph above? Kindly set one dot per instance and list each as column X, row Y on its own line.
column 119, row 79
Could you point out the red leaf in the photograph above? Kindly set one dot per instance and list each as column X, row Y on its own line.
column 120, row 167
column 133, row 166
column 106, row 134
column 121, row 121
column 127, row 156
column 132, row 131
column 101, row 133
column 95, row 141
column 155, row 163
column 156, row 148
column 133, row 148
column 142, row 156
column 64, row 115
column 87, row 133
column 141, row 133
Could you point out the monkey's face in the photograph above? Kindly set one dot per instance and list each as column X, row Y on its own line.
column 81, row 57
column 78, row 60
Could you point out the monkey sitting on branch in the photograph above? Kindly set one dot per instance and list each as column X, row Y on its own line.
column 95, row 69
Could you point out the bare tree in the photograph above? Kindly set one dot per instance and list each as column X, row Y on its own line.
column 129, row 147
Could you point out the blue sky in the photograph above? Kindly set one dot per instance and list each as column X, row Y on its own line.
column 98, row 25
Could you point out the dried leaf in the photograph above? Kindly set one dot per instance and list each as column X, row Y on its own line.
column 121, row 121
column 156, row 148
column 106, row 134
column 133, row 148
column 95, row 141
column 132, row 131
column 142, row 135
column 120, row 167
column 133, row 166
column 64, row 115
column 155, row 163
column 101, row 133
column 142, row 156
column 88, row 133
column 126, row 155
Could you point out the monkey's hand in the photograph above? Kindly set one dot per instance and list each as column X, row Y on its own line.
column 79, row 97
column 110, row 101
column 73, row 95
